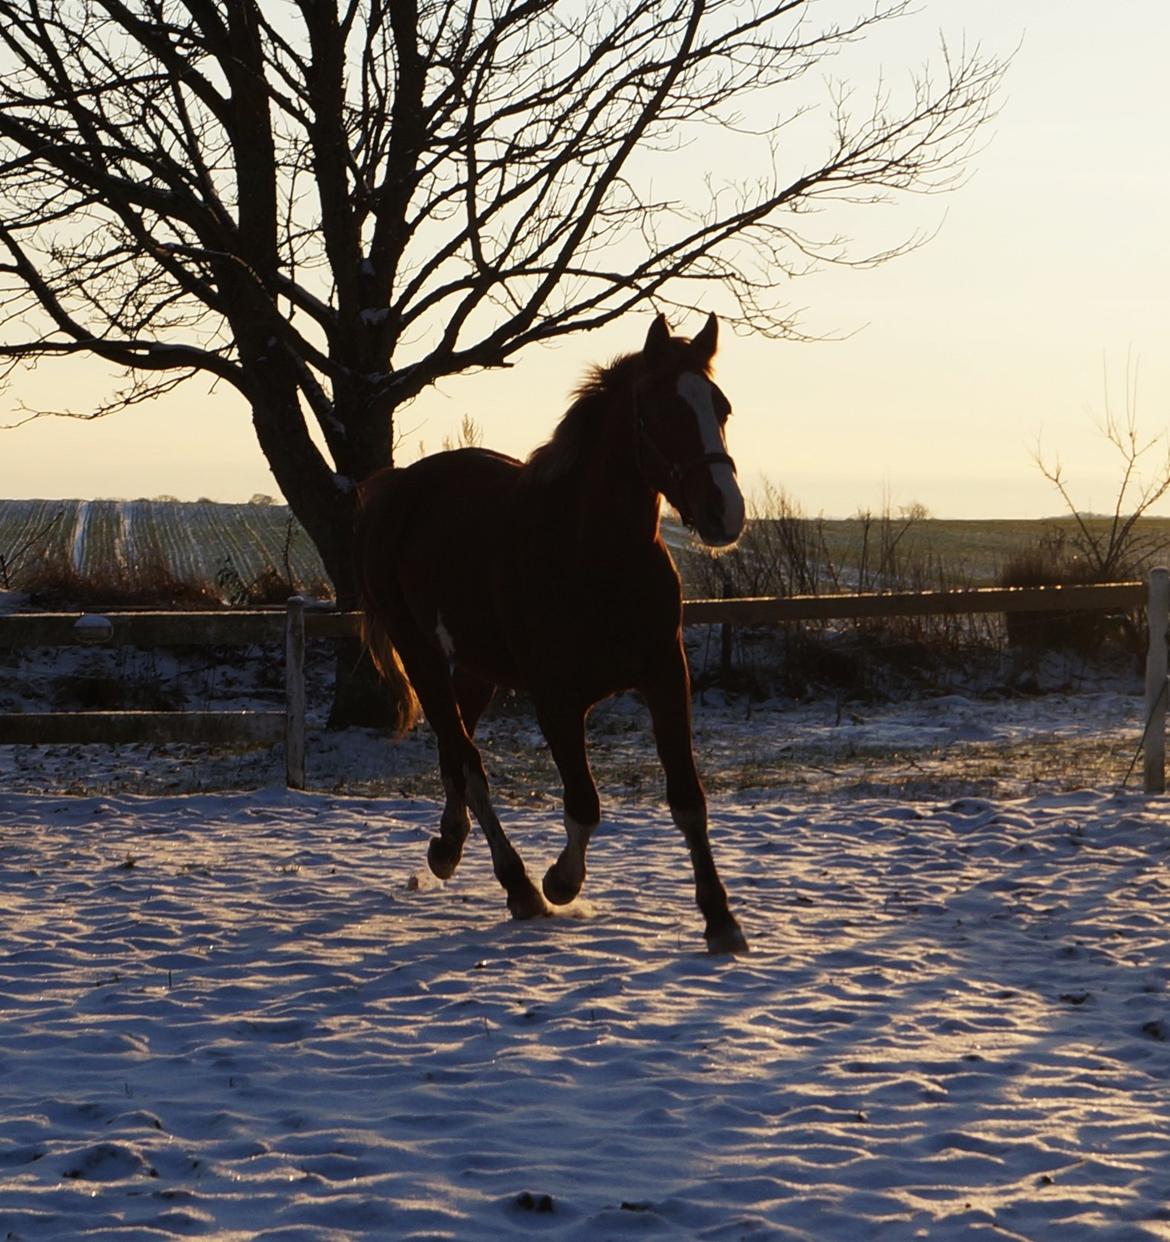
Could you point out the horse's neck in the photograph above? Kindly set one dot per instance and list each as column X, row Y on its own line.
column 616, row 499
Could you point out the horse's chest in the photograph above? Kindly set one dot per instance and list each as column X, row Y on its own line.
column 595, row 630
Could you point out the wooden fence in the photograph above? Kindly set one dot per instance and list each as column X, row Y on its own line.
column 292, row 626
column 298, row 623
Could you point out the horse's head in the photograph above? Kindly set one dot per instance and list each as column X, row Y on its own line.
column 681, row 417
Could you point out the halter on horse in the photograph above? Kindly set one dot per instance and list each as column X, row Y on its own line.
column 551, row 576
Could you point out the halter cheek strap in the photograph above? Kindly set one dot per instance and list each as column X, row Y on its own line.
column 668, row 477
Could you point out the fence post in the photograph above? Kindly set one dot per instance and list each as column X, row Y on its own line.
column 294, row 691
column 1154, row 745
column 725, row 638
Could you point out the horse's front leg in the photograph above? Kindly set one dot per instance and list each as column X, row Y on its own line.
column 667, row 691
column 564, row 730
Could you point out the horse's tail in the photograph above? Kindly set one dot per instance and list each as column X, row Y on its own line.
column 406, row 709
column 377, row 528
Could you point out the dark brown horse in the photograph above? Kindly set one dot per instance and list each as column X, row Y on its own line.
column 551, row 576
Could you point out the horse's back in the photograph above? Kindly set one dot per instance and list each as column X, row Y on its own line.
column 447, row 498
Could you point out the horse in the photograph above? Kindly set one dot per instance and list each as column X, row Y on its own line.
column 550, row 576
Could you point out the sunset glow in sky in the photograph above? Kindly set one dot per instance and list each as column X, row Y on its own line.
column 1012, row 328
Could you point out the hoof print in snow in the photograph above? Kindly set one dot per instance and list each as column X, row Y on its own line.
column 1157, row 1029
column 637, row 1207
column 526, row 1201
column 1074, row 998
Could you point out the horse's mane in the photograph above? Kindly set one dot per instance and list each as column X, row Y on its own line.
column 591, row 400
column 561, row 452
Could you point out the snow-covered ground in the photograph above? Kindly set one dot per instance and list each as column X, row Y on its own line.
column 232, row 1011
column 249, row 1015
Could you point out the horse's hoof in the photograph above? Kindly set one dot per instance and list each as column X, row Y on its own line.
column 527, row 903
column 726, row 939
column 443, row 857
column 557, row 890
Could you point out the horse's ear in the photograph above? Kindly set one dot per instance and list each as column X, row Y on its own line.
column 706, row 343
column 657, row 340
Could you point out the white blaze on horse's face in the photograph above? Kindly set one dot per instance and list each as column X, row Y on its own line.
column 697, row 392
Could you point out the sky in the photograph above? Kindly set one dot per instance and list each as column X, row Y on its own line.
column 1010, row 333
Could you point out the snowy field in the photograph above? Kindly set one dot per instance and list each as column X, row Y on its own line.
column 253, row 1014
column 235, row 1012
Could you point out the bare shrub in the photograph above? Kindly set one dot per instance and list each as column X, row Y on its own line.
column 133, row 683
column 469, row 435
column 1057, row 559
column 32, row 545
column 58, row 584
column 882, row 562
column 270, row 587
column 781, row 552
column 1108, row 548
column 784, row 553
column 1113, row 547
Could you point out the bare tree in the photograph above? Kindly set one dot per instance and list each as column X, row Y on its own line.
column 331, row 204
column 1109, row 545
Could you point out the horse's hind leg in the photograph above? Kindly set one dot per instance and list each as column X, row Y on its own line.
column 472, row 695
column 564, row 730
column 668, row 696
column 464, row 778
column 524, row 900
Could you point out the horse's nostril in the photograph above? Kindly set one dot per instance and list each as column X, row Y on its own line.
column 715, row 502
column 727, row 511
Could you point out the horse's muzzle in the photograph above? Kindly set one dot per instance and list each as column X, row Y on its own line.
column 714, row 503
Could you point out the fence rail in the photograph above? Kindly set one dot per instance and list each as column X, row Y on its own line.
column 241, row 628
column 1106, row 597
column 297, row 623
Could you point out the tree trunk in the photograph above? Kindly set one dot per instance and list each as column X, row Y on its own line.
column 361, row 699
column 326, row 507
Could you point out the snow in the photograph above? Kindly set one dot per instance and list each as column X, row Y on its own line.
column 80, row 529
column 246, row 1015
column 234, row 1011
column 13, row 601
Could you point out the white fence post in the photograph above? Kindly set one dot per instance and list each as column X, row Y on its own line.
column 1157, row 614
column 294, row 689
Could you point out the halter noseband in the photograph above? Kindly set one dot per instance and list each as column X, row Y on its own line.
column 671, row 474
